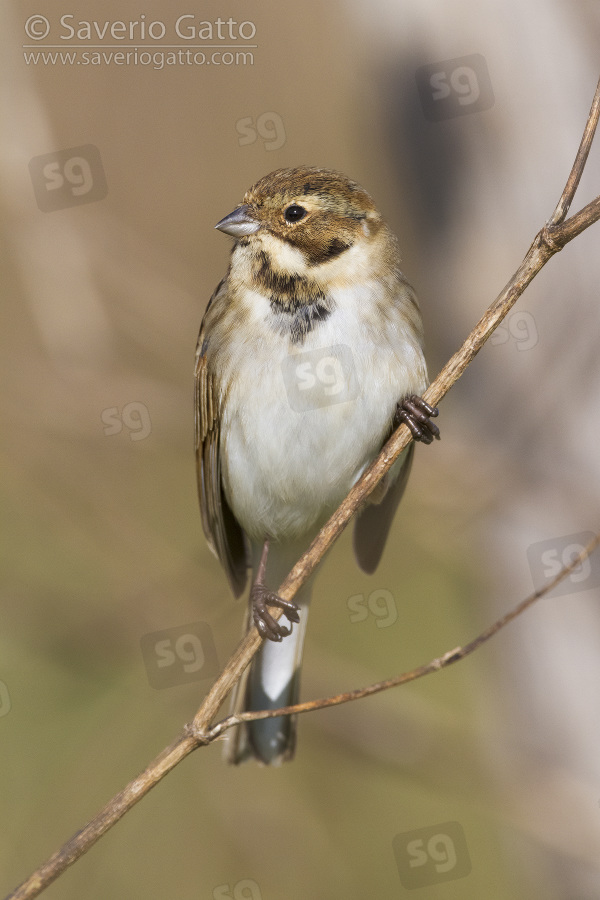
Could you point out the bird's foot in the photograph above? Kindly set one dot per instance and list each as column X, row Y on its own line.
column 416, row 413
column 261, row 597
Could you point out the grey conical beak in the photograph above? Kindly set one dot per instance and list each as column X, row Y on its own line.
column 239, row 223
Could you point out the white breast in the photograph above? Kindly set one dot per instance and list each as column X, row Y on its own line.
column 301, row 423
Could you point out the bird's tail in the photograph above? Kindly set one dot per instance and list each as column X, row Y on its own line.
column 272, row 680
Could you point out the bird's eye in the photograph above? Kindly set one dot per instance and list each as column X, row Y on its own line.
column 294, row 213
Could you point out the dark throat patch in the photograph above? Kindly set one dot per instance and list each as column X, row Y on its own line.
column 297, row 303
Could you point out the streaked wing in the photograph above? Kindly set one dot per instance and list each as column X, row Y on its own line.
column 223, row 533
column 373, row 523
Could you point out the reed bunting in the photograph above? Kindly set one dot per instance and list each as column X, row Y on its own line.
column 309, row 354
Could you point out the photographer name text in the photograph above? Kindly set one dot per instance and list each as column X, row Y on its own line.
column 186, row 27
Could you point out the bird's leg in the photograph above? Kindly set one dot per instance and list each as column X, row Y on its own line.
column 261, row 597
column 416, row 413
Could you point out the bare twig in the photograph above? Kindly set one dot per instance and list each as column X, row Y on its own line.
column 551, row 238
column 106, row 818
column 440, row 662
column 562, row 207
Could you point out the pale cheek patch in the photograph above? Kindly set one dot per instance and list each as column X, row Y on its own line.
column 284, row 256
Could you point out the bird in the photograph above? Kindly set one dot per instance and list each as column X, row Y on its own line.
column 310, row 354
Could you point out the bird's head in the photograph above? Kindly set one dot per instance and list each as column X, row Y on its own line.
column 317, row 212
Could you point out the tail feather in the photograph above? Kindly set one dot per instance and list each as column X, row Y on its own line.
column 272, row 680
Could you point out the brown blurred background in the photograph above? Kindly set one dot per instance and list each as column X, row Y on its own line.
column 104, row 290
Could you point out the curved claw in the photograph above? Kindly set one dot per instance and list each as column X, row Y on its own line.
column 267, row 626
column 416, row 413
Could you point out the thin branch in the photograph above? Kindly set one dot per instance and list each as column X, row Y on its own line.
column 440, row 662
column 576, row 224
column 106, row 818
column 548, row 241
column 562, row 207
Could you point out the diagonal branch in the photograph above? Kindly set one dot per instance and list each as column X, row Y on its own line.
column 551, row 238
column 576, row 224
column 562, row 207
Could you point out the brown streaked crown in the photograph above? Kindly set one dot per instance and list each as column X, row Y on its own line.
column 319, row 211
